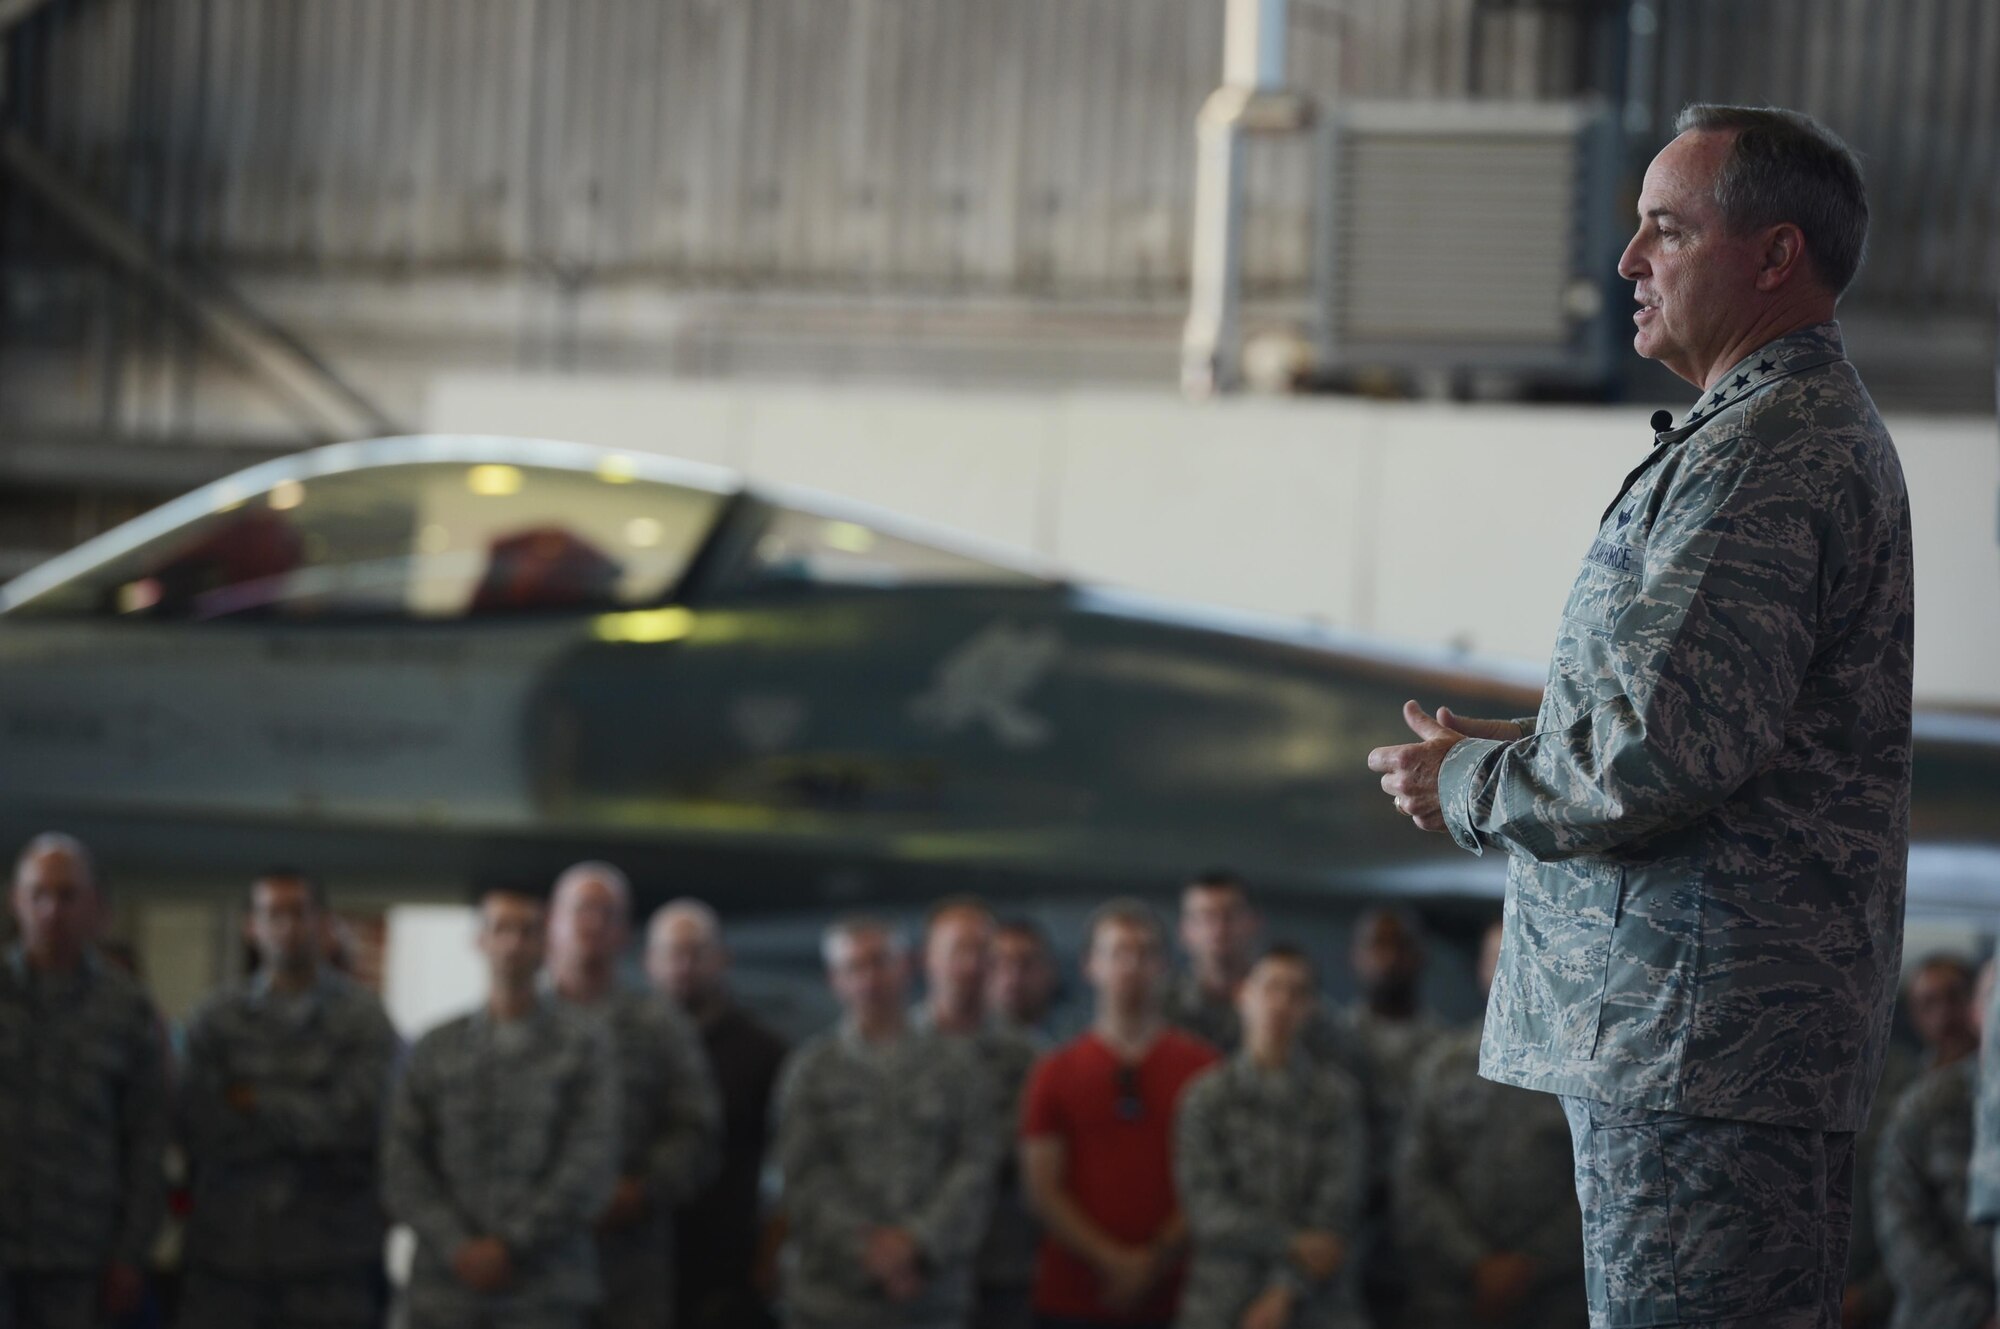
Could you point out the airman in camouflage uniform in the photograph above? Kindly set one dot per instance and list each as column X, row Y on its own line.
column 502, row 1148
column 1218, row 930
column 280, row 1112
column 1270, row 1158
column 888, row 1148
column 1940, row 1262
column 669, row 1118
column 1485, row 1196
column 1709, row 821
column 958, row 950
column 83, row 1107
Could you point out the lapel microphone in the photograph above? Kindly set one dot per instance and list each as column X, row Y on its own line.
column 1662, row 421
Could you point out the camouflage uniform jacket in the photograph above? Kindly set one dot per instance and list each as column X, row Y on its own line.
column 670, row 1119
column 1940, row 1263
column 83, row 1118
column 1486, row 1169
column 1006, row 1054
column 1260, row 1156
column 898, row 1136
column 505, row 1130
column 1709, row 825
column 289, row 1186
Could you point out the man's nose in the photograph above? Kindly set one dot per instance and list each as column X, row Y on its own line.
column 1631, row 264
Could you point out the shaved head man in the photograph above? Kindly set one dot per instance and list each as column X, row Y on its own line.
column 83, row 1111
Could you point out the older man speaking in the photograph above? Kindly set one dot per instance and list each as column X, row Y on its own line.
column 1708, row 821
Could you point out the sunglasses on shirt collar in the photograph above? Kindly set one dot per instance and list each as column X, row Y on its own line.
column 1130, row 1107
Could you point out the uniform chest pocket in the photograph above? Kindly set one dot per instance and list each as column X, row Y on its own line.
column 1606, row 585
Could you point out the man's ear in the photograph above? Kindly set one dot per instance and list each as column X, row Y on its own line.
column 1783, row 256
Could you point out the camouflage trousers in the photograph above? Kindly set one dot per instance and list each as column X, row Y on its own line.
column 1694, row 1221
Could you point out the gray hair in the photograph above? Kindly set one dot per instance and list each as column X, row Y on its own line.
column 695, row 911
column 851, row 926
column 56, row 842
column 596, row 870
column 1786, row 166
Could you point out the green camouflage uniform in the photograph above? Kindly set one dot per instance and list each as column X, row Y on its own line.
column 286, row 1226
column 1940, row 1263
column 670, row 1126
column 84, row 1127
column 1485, row 1169
column 505, row 1129
column 1260, row 1156
column 1708, row 826
column 899, row 1135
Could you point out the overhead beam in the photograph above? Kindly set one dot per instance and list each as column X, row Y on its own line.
column 13, row 13
column 326, row 406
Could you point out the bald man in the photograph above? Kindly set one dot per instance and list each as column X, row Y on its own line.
column 83, row 1107
column 716, row 1232
column 669, row 1123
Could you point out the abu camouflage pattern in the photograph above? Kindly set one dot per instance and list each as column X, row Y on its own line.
column 290, row 1186
column 899, row 1136
column 1485, row 1169
column 1694, row 1221
column 670, row 1140
column 509, row 1130
column 1708, row 824
column 1259, row 1157
column 1940, row 1263
column 83, row 1119
column 1006, row 1054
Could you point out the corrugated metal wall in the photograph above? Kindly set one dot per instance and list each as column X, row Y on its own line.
column 1012, row 147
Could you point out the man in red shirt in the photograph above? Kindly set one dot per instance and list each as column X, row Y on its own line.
column 1097, row 1132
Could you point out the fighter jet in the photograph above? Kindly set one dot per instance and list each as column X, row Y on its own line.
column 456, row 660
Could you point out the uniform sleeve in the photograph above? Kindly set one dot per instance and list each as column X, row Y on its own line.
column 585, row 1166
column 686, row 1148
column 812, row 1166
column 1429, row 1216
column 1923, row 1244
column 413, row 1190
column 949, row 1226
column 346, row 1117
column 1708, row 660
column 146, row 1127
column 1218, row 1219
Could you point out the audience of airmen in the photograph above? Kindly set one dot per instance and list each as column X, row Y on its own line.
column 1215, row 1150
